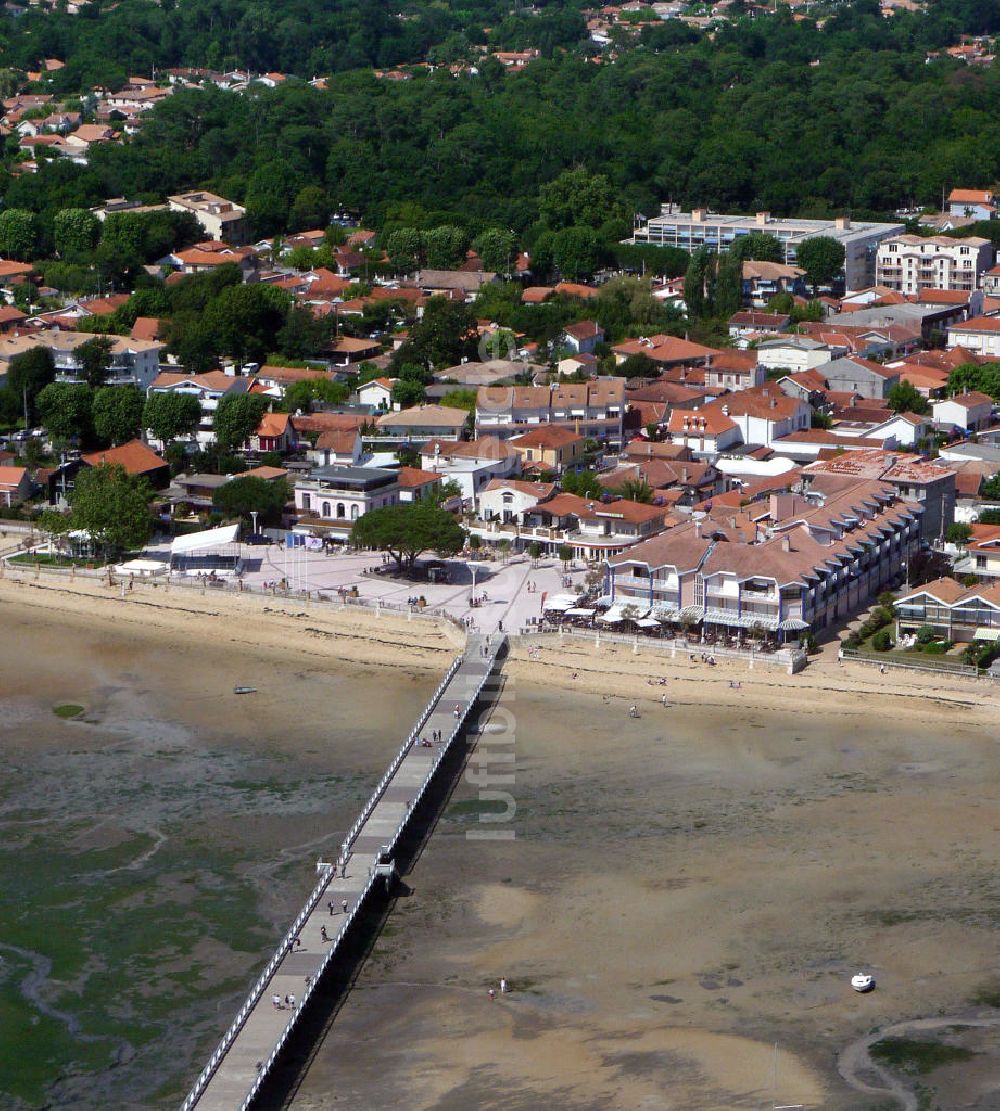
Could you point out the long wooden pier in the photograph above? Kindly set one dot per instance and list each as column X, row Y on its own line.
column 250, row 1047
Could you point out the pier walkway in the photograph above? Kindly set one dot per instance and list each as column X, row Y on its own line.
column 249, row 1048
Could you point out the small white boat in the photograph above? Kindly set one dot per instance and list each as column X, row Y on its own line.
column 244, row 690
column 861, row 981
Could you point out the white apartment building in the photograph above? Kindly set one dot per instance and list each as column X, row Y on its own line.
column 223, row 220
column 910, row 263
column 701, row 228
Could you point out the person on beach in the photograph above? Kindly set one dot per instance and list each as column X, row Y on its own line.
column 503, row 986
column 492, row 994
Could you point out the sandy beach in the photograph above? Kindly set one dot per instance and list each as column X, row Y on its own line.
column 683, row 891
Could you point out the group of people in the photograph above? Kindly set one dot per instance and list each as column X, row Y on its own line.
column 704, row 658
column 280, row 1004
column 436, row 737
column 504, row 988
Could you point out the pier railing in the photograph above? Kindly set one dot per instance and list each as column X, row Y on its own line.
column 260, row 985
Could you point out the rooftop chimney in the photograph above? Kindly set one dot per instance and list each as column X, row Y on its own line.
column 725, row 410
column 786, row 544
column 697, row 215
column 763, row 218
column 843, row 223
column 684, row 474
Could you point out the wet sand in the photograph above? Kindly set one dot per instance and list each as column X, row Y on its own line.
column 682, row 892
column 153, row 849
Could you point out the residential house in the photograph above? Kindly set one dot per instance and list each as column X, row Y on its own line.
column 222, row 220
column 974, row 204
column 424, row 422
column 197, row 491
column 983, row 550
column 981, row 335
column 586, row 365
column 797, row 353
column 461, row 284
column 274, row 433
column 505, row 501
column 753, row 322
column 958, row 613
column 763, row 415
column 594, row 409
column 210, row 254
column 137, row 458
column 582, row 338
column 15, row 485
column 377, row 394
column 665, row 351
column 340, row 447
column 417, row 485
column 735, row 370
column 208, row 388
column 348, row 350
column 471, row 465
column 970, row 411
column 705, row 432
column 331, row 499
column 550, row 448
column 764, row 280
column 860, row 376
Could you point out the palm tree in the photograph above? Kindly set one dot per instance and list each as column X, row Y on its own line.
column 636, row 489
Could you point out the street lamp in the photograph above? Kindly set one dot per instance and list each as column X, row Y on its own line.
column 253, row 514
column 472, row 598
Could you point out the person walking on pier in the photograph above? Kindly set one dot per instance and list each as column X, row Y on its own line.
column 330, row 905
column 322, row 932
column 345, row 906
column 276, row 1000
column 290, row 1000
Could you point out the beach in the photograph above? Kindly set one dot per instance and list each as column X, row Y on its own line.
column 684, row 892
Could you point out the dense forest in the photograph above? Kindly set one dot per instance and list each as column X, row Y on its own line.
column 770, row 113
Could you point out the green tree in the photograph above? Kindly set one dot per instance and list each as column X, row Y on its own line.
column 65, row 408
column 237, row 417
column 310, row 210
column 93, row 359
column 240, row 497
column 637, row 366
column 535, row 552
column 970, row 376
column 576, row 252
column 300, row 396
column 496, row 249
column 445, row 334
column 113, row 507
column 728, row 285
column 906, row 398
column 18, row 234
column 170, row 415
column 29, row 373
column 444, row 247
column 118, row 412
column 245, row 319
column 403, row 247
column 990, row 489
column 75, row 232
column 406, row 531
column 303, row 335
column 958, row 533
column 822, row 258
column 699, row 293
column 565, row 553
column 759, row 246
column 582, row 483
column 636, row 489
column 409, row 391
column 578, row 197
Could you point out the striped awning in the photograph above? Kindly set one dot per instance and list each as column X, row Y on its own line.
column 792, row 625
column 988, row 634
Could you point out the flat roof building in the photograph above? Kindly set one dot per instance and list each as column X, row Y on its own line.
column 701, row 228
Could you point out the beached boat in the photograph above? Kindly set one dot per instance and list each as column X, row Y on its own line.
column 244, row 690
column 861, row 981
